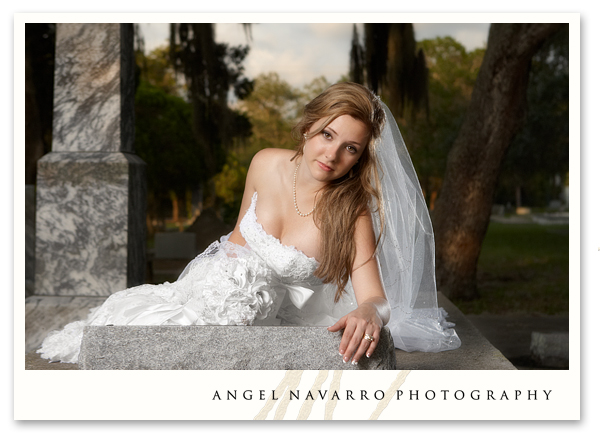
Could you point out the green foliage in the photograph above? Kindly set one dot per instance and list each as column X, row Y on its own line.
column 451, row 65
column 185, row 141
column 429, row 136
column 271, row 109
column 211, row 70
column 540, row 151
column 229, row 186
column 310, row 91
column 522, row 268
column 158, row 71
column 165, row 141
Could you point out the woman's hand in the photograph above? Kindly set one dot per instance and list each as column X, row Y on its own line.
column 364, row 320
column 373, row 311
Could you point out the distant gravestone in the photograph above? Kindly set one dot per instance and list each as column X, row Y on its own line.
column 175, row 245
column 91, row 189
column 208, row 228
column 498, row 209
column 554, row 204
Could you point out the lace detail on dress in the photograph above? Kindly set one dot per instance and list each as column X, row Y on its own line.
column 290, row 264
column 228, row 285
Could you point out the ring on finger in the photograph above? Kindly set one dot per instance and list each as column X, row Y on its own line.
column 368, row 337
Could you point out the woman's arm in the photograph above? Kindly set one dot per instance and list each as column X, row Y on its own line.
column 373, row 310
column 252, row 183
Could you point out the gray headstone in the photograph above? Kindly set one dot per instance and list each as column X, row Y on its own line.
column 91, row 189
column 222, row 348
column 554, row 204
column 550, row 349
column 498, row 209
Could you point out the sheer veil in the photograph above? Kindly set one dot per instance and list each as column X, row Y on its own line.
column 406, row 254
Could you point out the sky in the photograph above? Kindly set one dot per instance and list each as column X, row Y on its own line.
column 300, row 52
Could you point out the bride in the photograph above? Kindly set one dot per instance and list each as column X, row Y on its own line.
column 333, row 234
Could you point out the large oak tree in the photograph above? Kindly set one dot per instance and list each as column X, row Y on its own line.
column 495, row 113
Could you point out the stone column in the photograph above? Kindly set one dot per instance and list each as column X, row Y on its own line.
column 91, row 189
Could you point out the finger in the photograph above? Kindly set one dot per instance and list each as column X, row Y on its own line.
column 355, row 341
column 362, row 348
column 340, row 324
column 346, row 339
column 376, row 334
column 364, row 343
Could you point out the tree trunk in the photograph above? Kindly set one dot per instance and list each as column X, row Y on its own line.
column 497, row 108
column 175, row 205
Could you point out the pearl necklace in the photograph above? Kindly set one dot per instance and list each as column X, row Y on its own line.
column 295, row 202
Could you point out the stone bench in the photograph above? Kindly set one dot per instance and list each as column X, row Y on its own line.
column 550, row 349
column 222, row 348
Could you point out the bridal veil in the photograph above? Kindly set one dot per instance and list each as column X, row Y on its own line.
column 407, row 254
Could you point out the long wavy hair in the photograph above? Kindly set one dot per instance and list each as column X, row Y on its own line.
column 342, row 201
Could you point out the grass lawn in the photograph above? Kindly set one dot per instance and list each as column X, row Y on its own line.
column 523, row 268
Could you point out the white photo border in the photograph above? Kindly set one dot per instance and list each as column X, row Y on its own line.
column 186, row 395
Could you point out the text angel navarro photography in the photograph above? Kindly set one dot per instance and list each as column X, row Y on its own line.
column 399, row 395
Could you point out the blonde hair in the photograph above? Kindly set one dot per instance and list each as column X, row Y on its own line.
column 343, row 201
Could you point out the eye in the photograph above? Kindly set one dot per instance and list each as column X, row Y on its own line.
column 352, row 149
column 327, row 135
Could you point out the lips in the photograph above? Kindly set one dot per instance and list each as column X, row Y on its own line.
column 324, row 167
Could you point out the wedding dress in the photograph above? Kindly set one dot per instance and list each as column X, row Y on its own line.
column 262, row 283
column 268, row 283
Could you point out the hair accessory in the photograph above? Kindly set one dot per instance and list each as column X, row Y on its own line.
column 377, row 101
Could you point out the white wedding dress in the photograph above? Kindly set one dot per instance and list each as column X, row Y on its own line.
column 262, row 283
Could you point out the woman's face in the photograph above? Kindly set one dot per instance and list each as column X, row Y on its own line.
column 331, row 153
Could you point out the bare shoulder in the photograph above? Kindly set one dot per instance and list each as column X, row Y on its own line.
column 271, row 156
column 269, row 164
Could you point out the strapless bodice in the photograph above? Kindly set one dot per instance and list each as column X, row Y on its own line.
column 289, row 263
